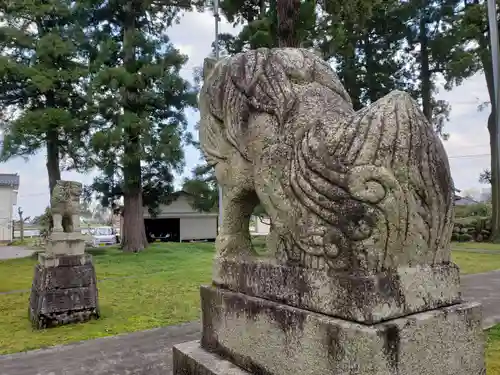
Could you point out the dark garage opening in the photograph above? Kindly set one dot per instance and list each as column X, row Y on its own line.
column 163, row 229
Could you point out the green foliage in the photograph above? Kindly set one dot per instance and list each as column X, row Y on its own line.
column 471, row 210
column 41, row 71
column 43, row 221
column 485, row 177
column 139, row 100
column 472, row 228
column 259, row 20
column 203, row 196
column 202, row 188
column 376, row 46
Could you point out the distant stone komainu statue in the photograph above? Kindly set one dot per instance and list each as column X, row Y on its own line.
column 366, row 190
column 65, row 206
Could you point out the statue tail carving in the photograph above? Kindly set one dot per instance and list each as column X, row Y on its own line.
column 380, row 176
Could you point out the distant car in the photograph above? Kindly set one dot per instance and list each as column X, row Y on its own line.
column 103, row 236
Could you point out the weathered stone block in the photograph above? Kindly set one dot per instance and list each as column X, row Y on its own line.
column 191, row 358
column 63, row 292
column 265, row 337
column 362, row 298
column 66, row 243
column 52, row 260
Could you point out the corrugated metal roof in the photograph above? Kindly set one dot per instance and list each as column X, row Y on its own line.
column 8, row 179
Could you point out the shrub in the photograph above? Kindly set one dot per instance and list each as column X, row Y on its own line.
column 472, row 228
column 478, row 209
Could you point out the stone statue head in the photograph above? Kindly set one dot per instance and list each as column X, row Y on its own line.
column 261, row 81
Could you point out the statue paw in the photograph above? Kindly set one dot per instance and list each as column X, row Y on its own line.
column 234, row 245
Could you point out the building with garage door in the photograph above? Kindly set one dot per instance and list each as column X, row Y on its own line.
column 178, row 222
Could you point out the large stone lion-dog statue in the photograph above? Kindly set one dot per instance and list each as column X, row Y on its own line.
column 65, row 206
column 368, row 190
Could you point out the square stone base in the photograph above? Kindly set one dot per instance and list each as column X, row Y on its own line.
column 265, row 337
column 366, row 299
column 63, row 243
column 64, row 291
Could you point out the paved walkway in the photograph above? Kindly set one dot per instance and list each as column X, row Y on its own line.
column 149, row 352
column 12, row 252
column 474, row 250
column 484, row 288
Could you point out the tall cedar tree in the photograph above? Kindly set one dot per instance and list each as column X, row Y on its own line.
column 265, row 24
column 375, row 46
column 140, row 99
column 435, row 47
column 41, row 76
column 364, row 56
column 364, row 39
column 260, row 21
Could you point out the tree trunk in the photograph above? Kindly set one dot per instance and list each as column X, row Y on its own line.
column 350, row 75
column 288, row 19
column 494, row 146
column 425, row 73
column 495, row 203
column 53, row 170
column 134, row 233
column 274, row 22
column 21, row 223
column 372, row 86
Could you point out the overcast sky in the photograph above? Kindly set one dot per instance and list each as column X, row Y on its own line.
column 194, row 35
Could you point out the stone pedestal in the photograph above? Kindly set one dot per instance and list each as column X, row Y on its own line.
column 264, row 318
column 64, row 286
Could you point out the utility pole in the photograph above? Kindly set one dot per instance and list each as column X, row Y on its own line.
column 215, row 9
column 495, row 57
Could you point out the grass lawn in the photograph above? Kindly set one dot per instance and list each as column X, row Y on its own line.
column 155, row 288
column 470, row 262
column 493, row 351
column 476, row 246
column 165, row 292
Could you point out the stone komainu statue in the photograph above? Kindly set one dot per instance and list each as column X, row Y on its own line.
column 368, row 191
column 65, row 206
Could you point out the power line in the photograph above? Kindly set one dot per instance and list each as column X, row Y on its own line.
column 32, row 195
column 468, row 156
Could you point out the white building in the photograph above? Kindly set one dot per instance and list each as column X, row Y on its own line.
column 260, row 226
column 9, row 185
column 178, row 222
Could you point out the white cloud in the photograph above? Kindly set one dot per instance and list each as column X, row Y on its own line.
column 194, row 35
column 468, row 145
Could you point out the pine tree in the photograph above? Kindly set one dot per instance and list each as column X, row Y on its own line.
column 434, row 47
column 139, row 129
column 364, row 40
column 262, row 27
column 42, row 74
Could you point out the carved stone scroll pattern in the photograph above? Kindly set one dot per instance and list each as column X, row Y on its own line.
column 368, row 190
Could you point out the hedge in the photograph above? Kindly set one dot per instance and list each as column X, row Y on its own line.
column 473, row 228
